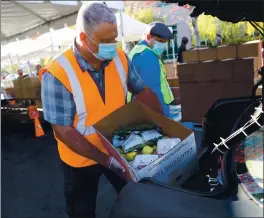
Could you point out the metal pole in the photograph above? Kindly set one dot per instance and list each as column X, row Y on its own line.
column 28, row 64
column 196, row 31
column 10, row 58
column 173, row 55
column 121, row 27
column 52, row 46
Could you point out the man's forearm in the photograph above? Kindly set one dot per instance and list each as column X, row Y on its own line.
column 79, row 144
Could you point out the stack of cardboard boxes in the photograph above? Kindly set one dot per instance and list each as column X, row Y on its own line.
column 213, row 73
column 172, row 77
column 28, row 88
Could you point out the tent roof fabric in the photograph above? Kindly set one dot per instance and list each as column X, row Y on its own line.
column 132, row 30
column 18, row 18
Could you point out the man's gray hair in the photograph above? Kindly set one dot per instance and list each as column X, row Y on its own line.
column 92, row 14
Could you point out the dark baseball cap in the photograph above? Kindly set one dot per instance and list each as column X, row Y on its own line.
column 160, row 30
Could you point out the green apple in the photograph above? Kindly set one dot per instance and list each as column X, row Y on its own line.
column 147, row 150
column 131, row 155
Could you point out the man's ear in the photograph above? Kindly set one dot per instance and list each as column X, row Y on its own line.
column 82, row 38
column 148, row 37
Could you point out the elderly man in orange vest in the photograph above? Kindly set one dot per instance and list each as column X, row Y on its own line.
column 80, row 87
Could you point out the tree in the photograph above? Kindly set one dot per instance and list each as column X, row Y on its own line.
column 231, row 33
column 12, row 68
column 44, row 61
column 145, row 15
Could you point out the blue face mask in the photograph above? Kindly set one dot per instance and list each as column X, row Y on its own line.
column 159, row 47
column 106, row 51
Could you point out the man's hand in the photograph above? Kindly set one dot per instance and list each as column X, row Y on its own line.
column 116, row 167
column 150, row 99
column 77, row 143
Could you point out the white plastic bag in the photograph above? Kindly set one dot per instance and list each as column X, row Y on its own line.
column 117, row 141
column 165, row 145
column 138, row 139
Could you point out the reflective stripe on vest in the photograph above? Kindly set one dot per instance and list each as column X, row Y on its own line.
column 165, row 88
column 78, row 94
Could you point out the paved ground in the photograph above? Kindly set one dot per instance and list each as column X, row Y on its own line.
column 31, row 176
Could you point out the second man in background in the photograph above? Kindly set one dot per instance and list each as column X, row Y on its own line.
column 146, row 58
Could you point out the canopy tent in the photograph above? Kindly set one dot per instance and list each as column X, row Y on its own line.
column 13, row 50
column 28, row 18
column 50, row 44
column 131, row 29
column 21, row 19
column 47, row 45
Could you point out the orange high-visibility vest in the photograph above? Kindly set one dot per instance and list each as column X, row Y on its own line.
column 90, row 107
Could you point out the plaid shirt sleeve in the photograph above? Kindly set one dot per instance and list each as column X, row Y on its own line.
column 134, row 82
column 57, row 102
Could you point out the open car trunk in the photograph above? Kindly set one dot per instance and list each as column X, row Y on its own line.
column 150, row 198
column 198, row 196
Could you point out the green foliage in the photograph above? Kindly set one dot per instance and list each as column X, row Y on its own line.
column 44, row 61
column 232, row 33
column 4, row 72
column 206, row 27
column 12, row 68
column 145, row 15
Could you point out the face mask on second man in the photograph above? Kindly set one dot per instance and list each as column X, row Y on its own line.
column 106, row 51
column 159, row 47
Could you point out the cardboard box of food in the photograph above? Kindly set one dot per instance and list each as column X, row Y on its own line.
column 171, row 70
column 190, row 56
column 31, row 87
column 202, row 84
column 173, row 82
column 206, row 54
column 10, row 92
column 251, row 49
column 177, row 165
column 18, row 88
column 226, row 52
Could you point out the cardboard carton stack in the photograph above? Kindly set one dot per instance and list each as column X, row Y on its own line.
column 18, row 88
column 31, row 87
column 10, row 92
column 171, row 70
column 172, row 77
column 201, row 84
column 230, row 73
column 250, row 49
column 27, row 88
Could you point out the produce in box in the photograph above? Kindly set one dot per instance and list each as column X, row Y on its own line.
column 142, row 144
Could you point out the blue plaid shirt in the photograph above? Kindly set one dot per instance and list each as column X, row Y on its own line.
column 57, row 102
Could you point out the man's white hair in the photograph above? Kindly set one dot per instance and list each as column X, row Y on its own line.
column 91, row 15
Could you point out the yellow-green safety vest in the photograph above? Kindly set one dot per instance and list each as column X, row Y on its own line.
column 165, row 88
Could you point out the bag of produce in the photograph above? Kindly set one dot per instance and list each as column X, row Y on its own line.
column 118, row 141
column 143, row 160
column 138, row 139
column 120, row 136
column 165, row 145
